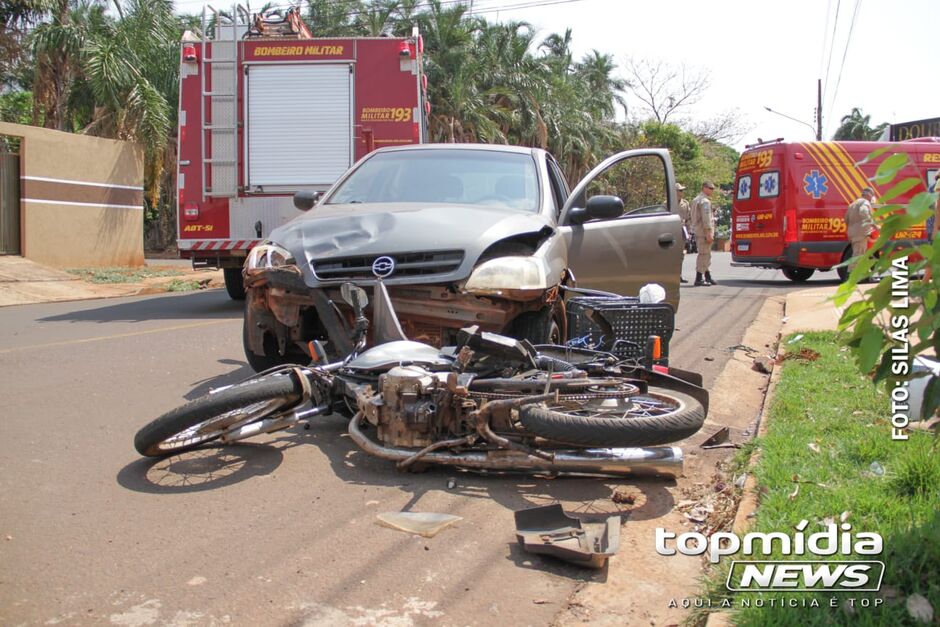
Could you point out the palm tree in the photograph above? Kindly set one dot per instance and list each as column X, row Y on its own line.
column 856, row 126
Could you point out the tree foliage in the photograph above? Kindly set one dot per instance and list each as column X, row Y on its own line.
column 114, row 73
column 856, row 126
column 899, row 318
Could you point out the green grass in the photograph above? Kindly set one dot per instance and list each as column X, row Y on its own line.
column 120, row 274
column 178, row 285
column 827, row 403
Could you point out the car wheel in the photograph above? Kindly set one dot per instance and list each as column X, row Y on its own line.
column 271, row 357
column 538, row 327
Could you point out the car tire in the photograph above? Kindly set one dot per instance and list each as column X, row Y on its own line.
column 538, row 327
column 797, row 275
column 234, row 283
column 271, row 358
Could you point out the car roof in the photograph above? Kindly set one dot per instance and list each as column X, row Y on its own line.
column 487, row 147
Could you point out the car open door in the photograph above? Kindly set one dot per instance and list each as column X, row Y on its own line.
column 620, row 252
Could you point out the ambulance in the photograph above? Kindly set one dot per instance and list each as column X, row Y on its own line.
column 790, row 200
column 267, row 110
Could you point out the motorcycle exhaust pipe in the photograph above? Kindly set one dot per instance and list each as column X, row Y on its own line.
column 658, row 461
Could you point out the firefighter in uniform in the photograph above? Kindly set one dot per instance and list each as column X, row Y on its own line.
column 859, row 223
column 684, row 215
column 703, row 224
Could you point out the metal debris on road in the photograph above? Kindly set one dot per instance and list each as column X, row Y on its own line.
column 548, row 530
column 720, row 439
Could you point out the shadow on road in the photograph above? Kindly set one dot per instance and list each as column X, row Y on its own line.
column 208, row 305
column 203, row 469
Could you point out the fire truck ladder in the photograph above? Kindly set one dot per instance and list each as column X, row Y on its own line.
column 220, row 128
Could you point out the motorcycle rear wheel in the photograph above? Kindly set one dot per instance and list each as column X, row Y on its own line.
column 208, row 418
column 658, row 417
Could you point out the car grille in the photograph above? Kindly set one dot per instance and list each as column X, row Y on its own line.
column 406, row 265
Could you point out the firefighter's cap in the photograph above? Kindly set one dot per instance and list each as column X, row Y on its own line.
column 680, row 187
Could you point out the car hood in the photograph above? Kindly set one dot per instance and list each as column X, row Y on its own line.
column 332, row 232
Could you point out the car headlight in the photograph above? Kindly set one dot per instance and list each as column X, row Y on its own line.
column 508, row 273
column 268, row 255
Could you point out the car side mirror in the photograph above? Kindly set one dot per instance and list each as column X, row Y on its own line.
column 305, row 199
column 604, row 207
column 597, row 208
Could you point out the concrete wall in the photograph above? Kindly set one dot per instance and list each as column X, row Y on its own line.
column 81, row 198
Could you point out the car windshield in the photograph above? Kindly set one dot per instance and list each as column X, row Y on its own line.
column 474, row 177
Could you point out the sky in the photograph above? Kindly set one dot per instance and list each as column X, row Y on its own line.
column 762, row 54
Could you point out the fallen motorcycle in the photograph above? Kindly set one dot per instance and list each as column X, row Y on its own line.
column 489, row 403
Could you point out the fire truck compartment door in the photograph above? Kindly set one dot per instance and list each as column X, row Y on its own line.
column 299, row 125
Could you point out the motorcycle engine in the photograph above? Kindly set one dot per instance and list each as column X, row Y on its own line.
column 405, row 409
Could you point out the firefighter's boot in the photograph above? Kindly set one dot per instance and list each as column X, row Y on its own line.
column 698, row 280
column 709, row 280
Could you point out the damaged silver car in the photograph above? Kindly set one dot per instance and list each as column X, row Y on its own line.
column 461, row 235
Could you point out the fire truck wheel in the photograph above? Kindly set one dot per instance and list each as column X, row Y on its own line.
column 234, row 283
column 798, row 275
column 844, row 270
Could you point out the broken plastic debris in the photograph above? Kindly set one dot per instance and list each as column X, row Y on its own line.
column 425, row 524
column 877, row 469
column 795, row 339
column 919, row 608
column 652, row 293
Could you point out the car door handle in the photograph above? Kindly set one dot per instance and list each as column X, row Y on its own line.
column 666, row 240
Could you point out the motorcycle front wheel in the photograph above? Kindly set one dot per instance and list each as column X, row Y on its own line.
column 208, row 418
column 659, row 416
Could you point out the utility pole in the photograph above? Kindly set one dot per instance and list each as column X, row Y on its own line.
column 819, row 109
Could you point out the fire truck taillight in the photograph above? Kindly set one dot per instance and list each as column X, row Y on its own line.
column 189, row 53
column 404, row 50
column 191, row 211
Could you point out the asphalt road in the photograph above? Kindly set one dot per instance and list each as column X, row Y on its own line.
column 278, row 532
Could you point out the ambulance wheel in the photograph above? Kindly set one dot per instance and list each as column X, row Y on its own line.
column 234, row 283
column 844, row 270
column 797, row 275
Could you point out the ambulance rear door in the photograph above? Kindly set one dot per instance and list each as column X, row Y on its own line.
column 757, row 211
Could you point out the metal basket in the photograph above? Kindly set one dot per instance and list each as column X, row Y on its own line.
column 632, row 323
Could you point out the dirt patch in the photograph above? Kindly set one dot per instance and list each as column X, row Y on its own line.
column 23, row 282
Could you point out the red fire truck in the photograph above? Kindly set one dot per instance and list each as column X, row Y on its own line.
column 790, row 200
column 266, row 110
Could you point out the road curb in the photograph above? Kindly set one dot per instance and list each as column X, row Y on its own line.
column 750, row 501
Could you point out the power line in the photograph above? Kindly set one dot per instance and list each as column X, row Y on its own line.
column 822, row 52
column 832, row 46
column 845, row 54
